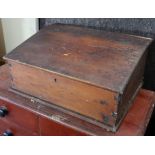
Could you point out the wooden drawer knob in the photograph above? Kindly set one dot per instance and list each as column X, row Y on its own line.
column 7, row 133
column 3, row 111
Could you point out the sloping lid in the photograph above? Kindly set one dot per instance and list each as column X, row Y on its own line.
column 104, row 59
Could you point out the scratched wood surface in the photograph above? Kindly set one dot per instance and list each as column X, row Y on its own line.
column 93, row 73
column 85, row 54
column 135, row 122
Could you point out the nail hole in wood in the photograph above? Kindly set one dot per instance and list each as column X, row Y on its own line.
column 103, row 102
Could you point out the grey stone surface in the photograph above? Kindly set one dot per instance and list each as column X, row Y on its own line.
column 139, row 26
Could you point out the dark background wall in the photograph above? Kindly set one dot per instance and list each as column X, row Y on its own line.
column 144, row 27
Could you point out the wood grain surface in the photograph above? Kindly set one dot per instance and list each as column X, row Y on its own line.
column 93, row 73
column 84, row 54
column 135, row 122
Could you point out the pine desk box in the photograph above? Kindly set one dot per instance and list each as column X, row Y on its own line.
column 89, row 73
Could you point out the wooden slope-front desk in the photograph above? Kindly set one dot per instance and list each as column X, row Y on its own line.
column 26, row 116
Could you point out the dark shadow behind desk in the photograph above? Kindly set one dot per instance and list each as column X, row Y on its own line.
column 143, row 27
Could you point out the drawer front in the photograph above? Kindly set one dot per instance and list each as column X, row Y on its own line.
column 20, row 116
column 8, row 129
column 51, row 128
